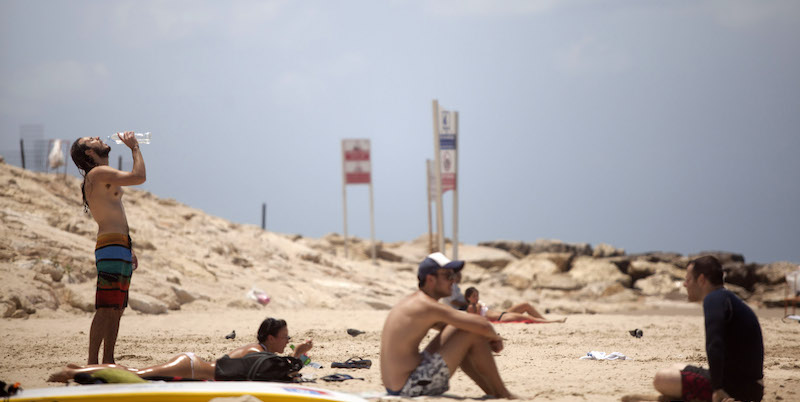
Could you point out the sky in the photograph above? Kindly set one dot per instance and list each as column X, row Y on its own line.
column 670, row 126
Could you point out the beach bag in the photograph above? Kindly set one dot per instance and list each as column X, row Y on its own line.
column 260, row 366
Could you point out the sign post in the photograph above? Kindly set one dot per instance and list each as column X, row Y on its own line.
column 431, row 180
column 445, row 127
column 357, row 169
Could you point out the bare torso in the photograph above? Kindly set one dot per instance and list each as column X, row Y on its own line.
column 105, row 202
column 406, row 325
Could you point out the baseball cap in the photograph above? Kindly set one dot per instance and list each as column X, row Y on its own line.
column 436, row 261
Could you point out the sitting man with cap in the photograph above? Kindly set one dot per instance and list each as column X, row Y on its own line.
column 466, row 340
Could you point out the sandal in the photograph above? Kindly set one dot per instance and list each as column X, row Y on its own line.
column 340, row 377
column 354, row 362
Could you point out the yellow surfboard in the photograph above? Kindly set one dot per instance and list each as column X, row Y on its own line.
column 189, row 391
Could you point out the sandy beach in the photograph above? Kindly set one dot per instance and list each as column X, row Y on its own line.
column 540, row 361
column 196, row 269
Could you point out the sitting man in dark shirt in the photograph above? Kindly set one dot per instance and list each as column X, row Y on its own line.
column 734, row 344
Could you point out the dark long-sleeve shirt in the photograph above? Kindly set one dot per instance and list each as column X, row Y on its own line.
column 734, row 344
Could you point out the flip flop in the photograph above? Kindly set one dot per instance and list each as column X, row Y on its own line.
column 340, row 377
column 353, row 362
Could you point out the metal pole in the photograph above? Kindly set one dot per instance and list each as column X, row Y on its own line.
column 344, row 201
column 22, row 151
column 455, row 192
column 119, row 163
column 264, row 216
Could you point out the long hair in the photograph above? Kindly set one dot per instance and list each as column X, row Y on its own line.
column 470, row 290
column 270, row 326
column 85, row 163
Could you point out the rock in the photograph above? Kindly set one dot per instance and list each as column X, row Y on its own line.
column 658, row 284
column 773, row 298
column 741, row 274
column 603, row 250
column 386, row 255
column 491, row 263
column 660, row 256
column 599, row 289
column 724, row 257
column 242, row 262
column 559, row 281
column 19, row 314
column 520, row 274
column 22, row 303
column 174, row 279
column 562, row 260
column 310, row 256
column 183, row 296
column 557, row 246
column 775, row 272
column 8, row 307
column 587, row 270
column 517, row 248
column 79, row 300
column 739, row 291
column 642, row 268
column 146, row 304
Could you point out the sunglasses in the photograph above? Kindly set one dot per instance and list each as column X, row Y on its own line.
column 448, row 273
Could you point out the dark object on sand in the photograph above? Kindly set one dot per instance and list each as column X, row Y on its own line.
column 10, row 391
column 354, row 362
column 232, row 335
column 636, row 333
column 340, row 377
column 354, row 332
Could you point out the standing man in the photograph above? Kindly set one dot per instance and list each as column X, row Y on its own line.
column 734, row 344
column 115, row 260
column 466, row 340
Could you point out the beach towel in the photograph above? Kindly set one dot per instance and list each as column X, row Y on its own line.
column 516, row 321
column 594, row 355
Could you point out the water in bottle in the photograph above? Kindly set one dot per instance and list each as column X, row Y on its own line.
column 303, row 358
column 142, row 138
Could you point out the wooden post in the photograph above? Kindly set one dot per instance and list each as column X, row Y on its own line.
column 22, row 151
column 344, row 201
column 455, row 192
column 428, row 192
column 372, row 217
column 438, row 175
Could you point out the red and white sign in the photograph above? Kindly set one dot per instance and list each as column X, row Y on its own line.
column 356, row 161
column 447, row 149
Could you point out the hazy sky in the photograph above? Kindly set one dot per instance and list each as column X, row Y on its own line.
column 647, row 125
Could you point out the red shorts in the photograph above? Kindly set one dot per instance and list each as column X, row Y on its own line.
column 695, row 384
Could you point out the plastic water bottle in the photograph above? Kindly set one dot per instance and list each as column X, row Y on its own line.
column 142, row 138
column 303, row 358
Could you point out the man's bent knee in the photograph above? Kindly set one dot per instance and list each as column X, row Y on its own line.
column 668, row 382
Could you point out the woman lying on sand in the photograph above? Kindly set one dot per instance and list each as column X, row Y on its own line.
column 273, row 335
column 517, row 312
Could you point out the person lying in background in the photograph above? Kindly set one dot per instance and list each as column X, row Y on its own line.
column 272, row 336
column 522, row 312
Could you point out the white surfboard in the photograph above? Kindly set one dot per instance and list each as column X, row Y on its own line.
column 189, row 391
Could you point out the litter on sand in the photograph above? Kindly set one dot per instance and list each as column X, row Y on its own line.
column 594, row 355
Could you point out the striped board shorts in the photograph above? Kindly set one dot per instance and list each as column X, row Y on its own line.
column 114, row 269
